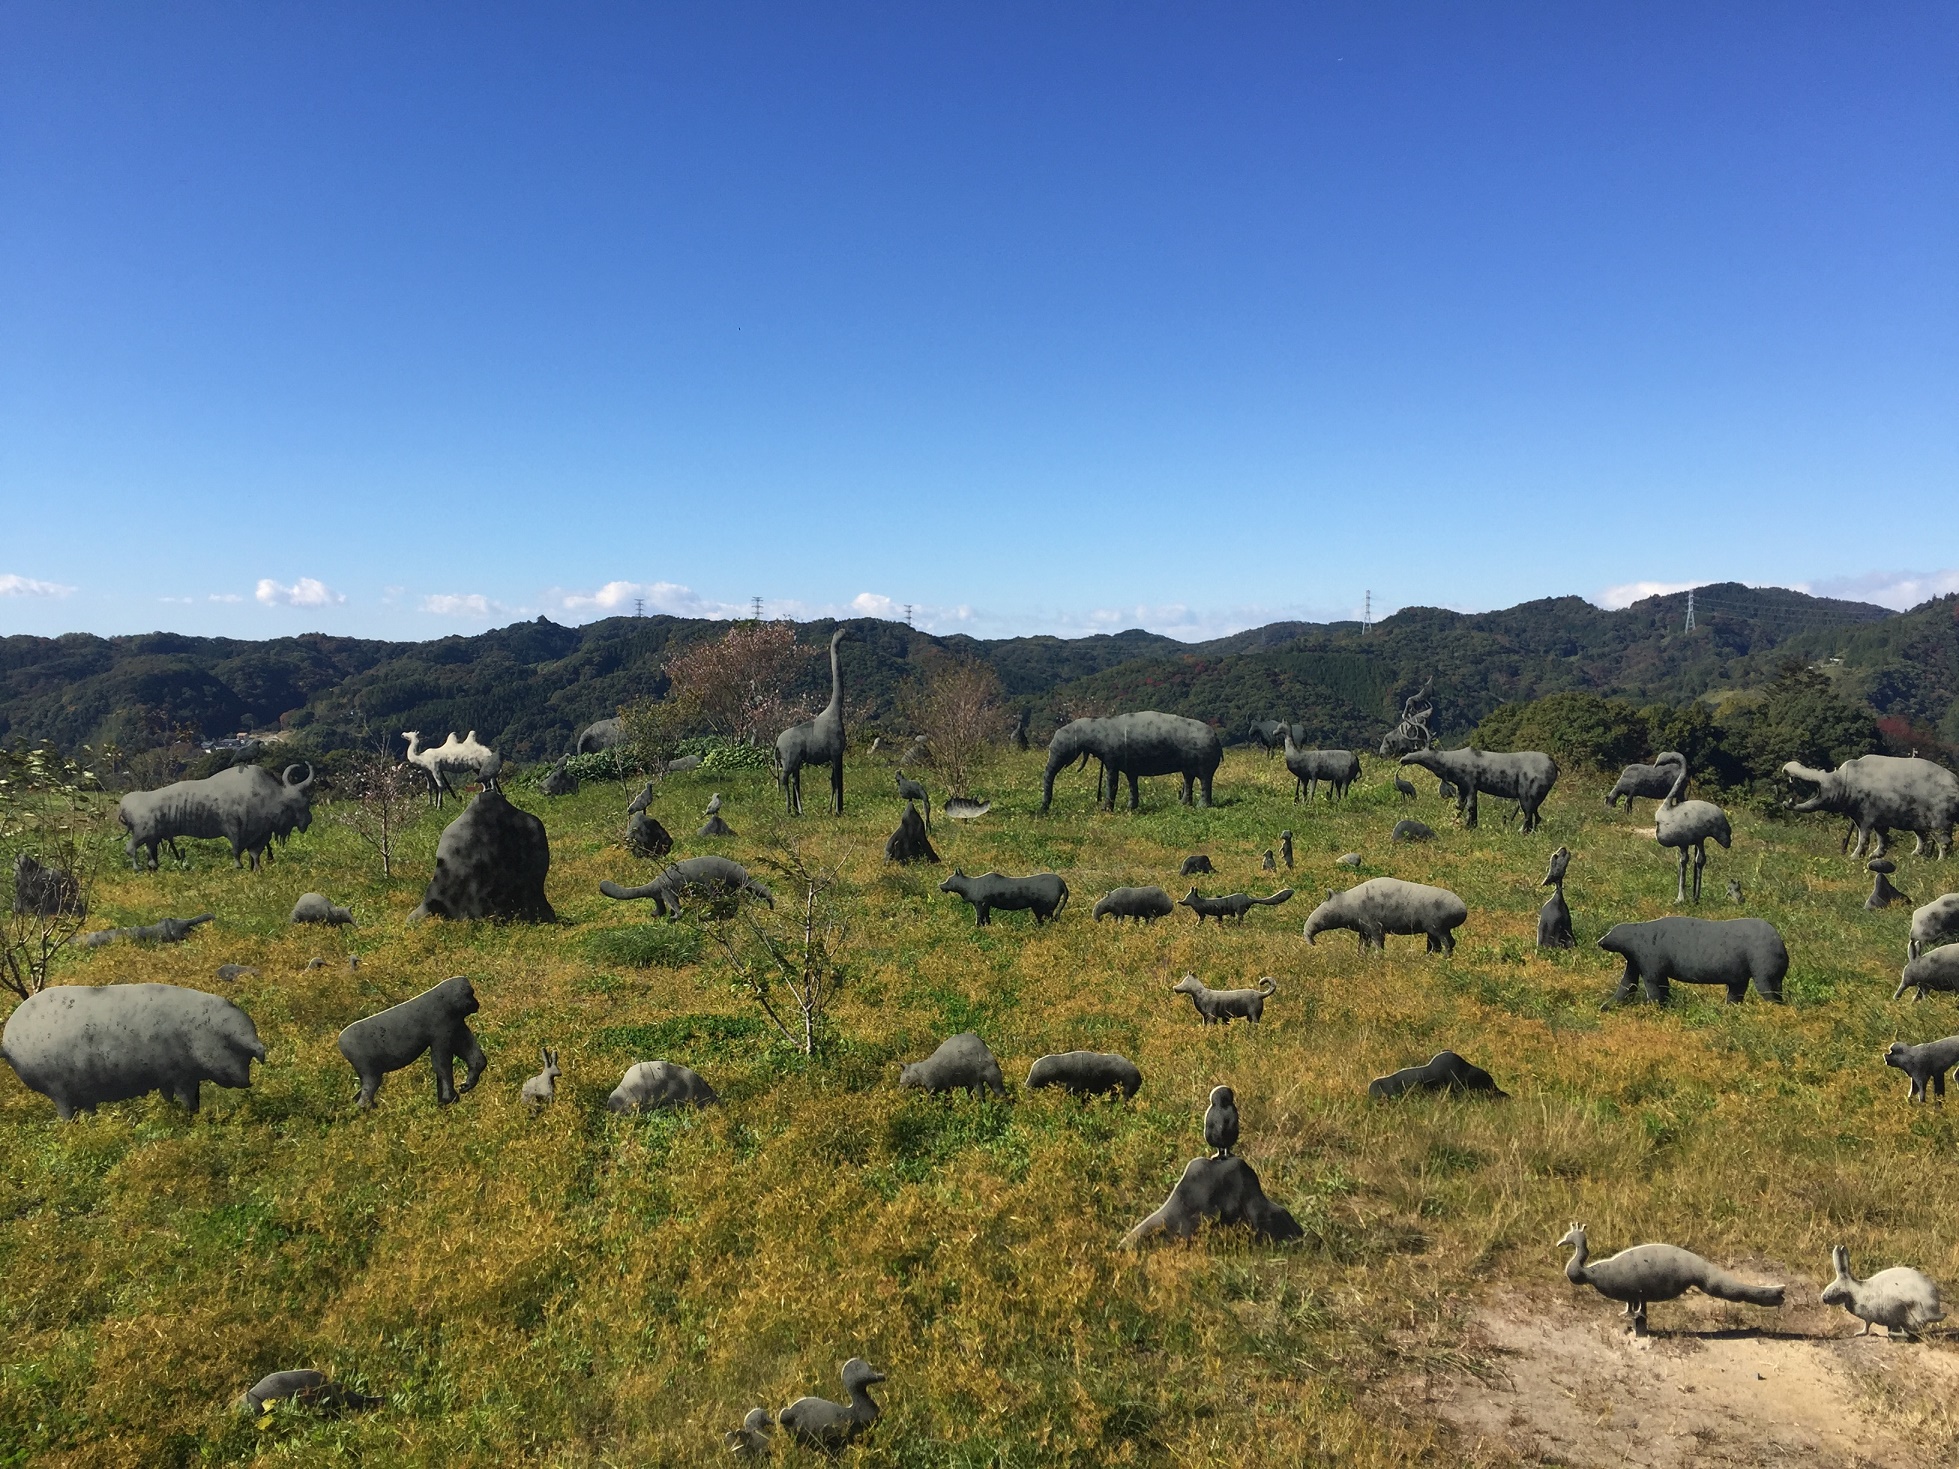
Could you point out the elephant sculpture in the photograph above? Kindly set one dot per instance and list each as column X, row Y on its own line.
column 1136, row 745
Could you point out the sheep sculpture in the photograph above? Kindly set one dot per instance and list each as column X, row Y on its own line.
column 1925, row 1064
column 1902, row 1300
column 1648, row 1273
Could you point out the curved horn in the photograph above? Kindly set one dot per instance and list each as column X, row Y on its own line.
column 300, row 784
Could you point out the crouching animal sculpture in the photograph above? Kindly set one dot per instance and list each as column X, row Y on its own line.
column 1224, row 1006
column 1902, row 1300
column 1525, row 777
column 1086, row 1073
column 80, row 1046
column 650, row 1085
column 244, row 805
column 1136, row 745
column 1923, row 1064
column 1230, row 905
column 1445, row 1071
column 437, row 1022
column 1935, row 969
column 1145, row 905
column 1647, row 1273
column 319, row 908
column 961, row 1061
column 1734, row 952
column 163, row 931
column 1043, row 894
column 822, row 1424
column 1385, row 905
column 1223, row 1191
column 713, row 879
column 1648, row 782
column 304, row 1385
column 1881, row 792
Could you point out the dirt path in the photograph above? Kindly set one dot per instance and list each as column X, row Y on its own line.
column 1714, row 1385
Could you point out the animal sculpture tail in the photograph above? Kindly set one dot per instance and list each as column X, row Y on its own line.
column 1272, row 902
column 1718, row 1283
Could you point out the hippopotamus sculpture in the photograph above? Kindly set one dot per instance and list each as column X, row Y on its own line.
column 1134, row 745
column 1525, row 777
column 1881, row 792
column 245, row 805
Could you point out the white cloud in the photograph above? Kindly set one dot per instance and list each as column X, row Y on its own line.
column 460, row 604
column 225, row 597
column 306, row 592
column 1899, row 590
column 1615, row 598
column 27, row 586
column 617, row 597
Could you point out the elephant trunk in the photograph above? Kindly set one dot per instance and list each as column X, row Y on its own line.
column 1069, row 743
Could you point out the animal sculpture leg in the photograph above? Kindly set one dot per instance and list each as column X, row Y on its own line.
column 370, row 1086
column 1700, row 861
column 473, row 1059
column 1135, row 794
column 186, row 1094
column 443, row 1063
column 1466, row 807
column 1680, row 889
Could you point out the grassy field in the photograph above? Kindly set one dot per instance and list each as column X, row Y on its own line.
column 575, row 1288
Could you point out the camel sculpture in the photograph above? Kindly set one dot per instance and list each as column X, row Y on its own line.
column 817, row 741
column 467, row 756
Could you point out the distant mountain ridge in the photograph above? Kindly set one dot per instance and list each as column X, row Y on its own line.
column 527, row 688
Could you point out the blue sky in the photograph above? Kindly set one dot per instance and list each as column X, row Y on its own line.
column 409, row 320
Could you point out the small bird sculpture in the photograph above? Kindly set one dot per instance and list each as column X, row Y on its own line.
column 640, row 802
column 827, row 1425
column 1221, row 1122
column 911, row 790
column 751, row 1440
column 714, row 805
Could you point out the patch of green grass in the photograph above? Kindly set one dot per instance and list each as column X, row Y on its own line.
column 646, row 946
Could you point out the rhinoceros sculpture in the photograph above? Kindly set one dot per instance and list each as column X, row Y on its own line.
column 1881, row 792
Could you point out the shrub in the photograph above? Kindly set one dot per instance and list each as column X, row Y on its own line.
column 1802, row 717
column 1574, row 728
column 646, row 946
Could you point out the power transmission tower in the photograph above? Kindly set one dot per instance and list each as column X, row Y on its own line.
column 907, row 614
column 1690, row 612
column 1367, row 614
column 755, row 608
column 639, row 606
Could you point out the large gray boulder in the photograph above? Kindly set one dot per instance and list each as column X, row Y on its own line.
column 651, row 1085
column 435, row 1022
column 1881, row 792
column 80, row 1046
column 245, row 805
column 490, row 863
column 1223, row 1191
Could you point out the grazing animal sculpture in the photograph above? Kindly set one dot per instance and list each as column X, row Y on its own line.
column 823, row 1424
column 1925, row 1064
column 960, row 1061
column 490, row 862
column 1688, row 825
column 1221, row 1122
column 1883, row 894
column 911, row 790
column 910, row 843
column 712, row 878
column 652, row 1085
column 558, row 780
column 1221, row 1007
column 1409, row 830
column 1654, row 782
column 231, row 973
column 1525, row 777
column 163, row 931
column 646, row 838
column 1086, row 1074
column 319, row 908
column 1734, row 891
column 436, row 1022
column 1647, row 1273
column 1338, row 768
column 46, row 892
column 817, row 741
column 640, row 802
column 1136, row 745
column 1145, row 905
column 1902, row 1300
column 80, row 1046
column 1195, row 864
column 245, row 805
column 599, row 735
column 1231, row 905
column 1384, row 905
column 1554, row 918
column 306, row 1386
column 1880, row 792
column 1404, row 788
column 1937, row 922
column 1445, row 1071
column 1413, row 732
column 1285, row 848
column 541, row 1090
column 1043, row 894
column 1726, row 951
column 751, row 1440
column 1222, row 1191
column 1270, row 734
column 1935, row 969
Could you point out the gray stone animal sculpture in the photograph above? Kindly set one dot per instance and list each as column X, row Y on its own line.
column 712, row 879
column 960, row 1061
column 1902, row 1300
column 1445, row 1071
column 80, row 1046
column 1270, row 734
column 163, row 931
column 641, row 801
column 1348, row 859
column 306, row 1386
column 46, row 892
column 1285, row 849
column 1410, row 830
column 1525, row 777
column 646, row 838
column 1413, row 732
column 1043, row 894
column 1734, row 891
column 1387, row 905
column 600, row 734
column 1268, row 863
column 1689, row 826
column 1338, row 768
column 1223, row 1191
column 244, row 805
column 232, row 973
column 651, row 1085
column 1653, row 782
column 435, row 1022
column 683, row 763
column 319, row 908
column 825, row 1425
column 1221, row 1122
column 1726, row 951
column 752, row 1439
column 1221, row 1007
column 1881, row 792
column 490, row 862
column 1925, row 1063
column 1086, row 1074
column 1937, row 922
column 541, row 1090
column 1935, row 969
column 1404, row 788
column 911, row 790
column 959, row 808
column 1136, row 745
column 817, row 741
column 910, row 843
column 1648, row 1273
column 1554, row 918
column 1195, row 864
column 558, row 780
column 714, row 826
column 1230, row 905
column 1883, row 894
column 1146, row 905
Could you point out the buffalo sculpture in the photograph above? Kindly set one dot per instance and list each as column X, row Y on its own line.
column 245, row 805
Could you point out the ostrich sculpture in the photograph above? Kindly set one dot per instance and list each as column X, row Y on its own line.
column 1688, row 825
column 818, row 741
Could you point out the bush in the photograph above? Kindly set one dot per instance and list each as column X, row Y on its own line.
column 1573, row 728
column 646, row 946
column 1802, row 717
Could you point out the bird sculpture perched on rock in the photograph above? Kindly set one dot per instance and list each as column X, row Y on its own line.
column 713, row 805
column 1647, row 1273
column 640, row 802
column 1221, row 1122
column 911, row 790
column 827, row 1425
